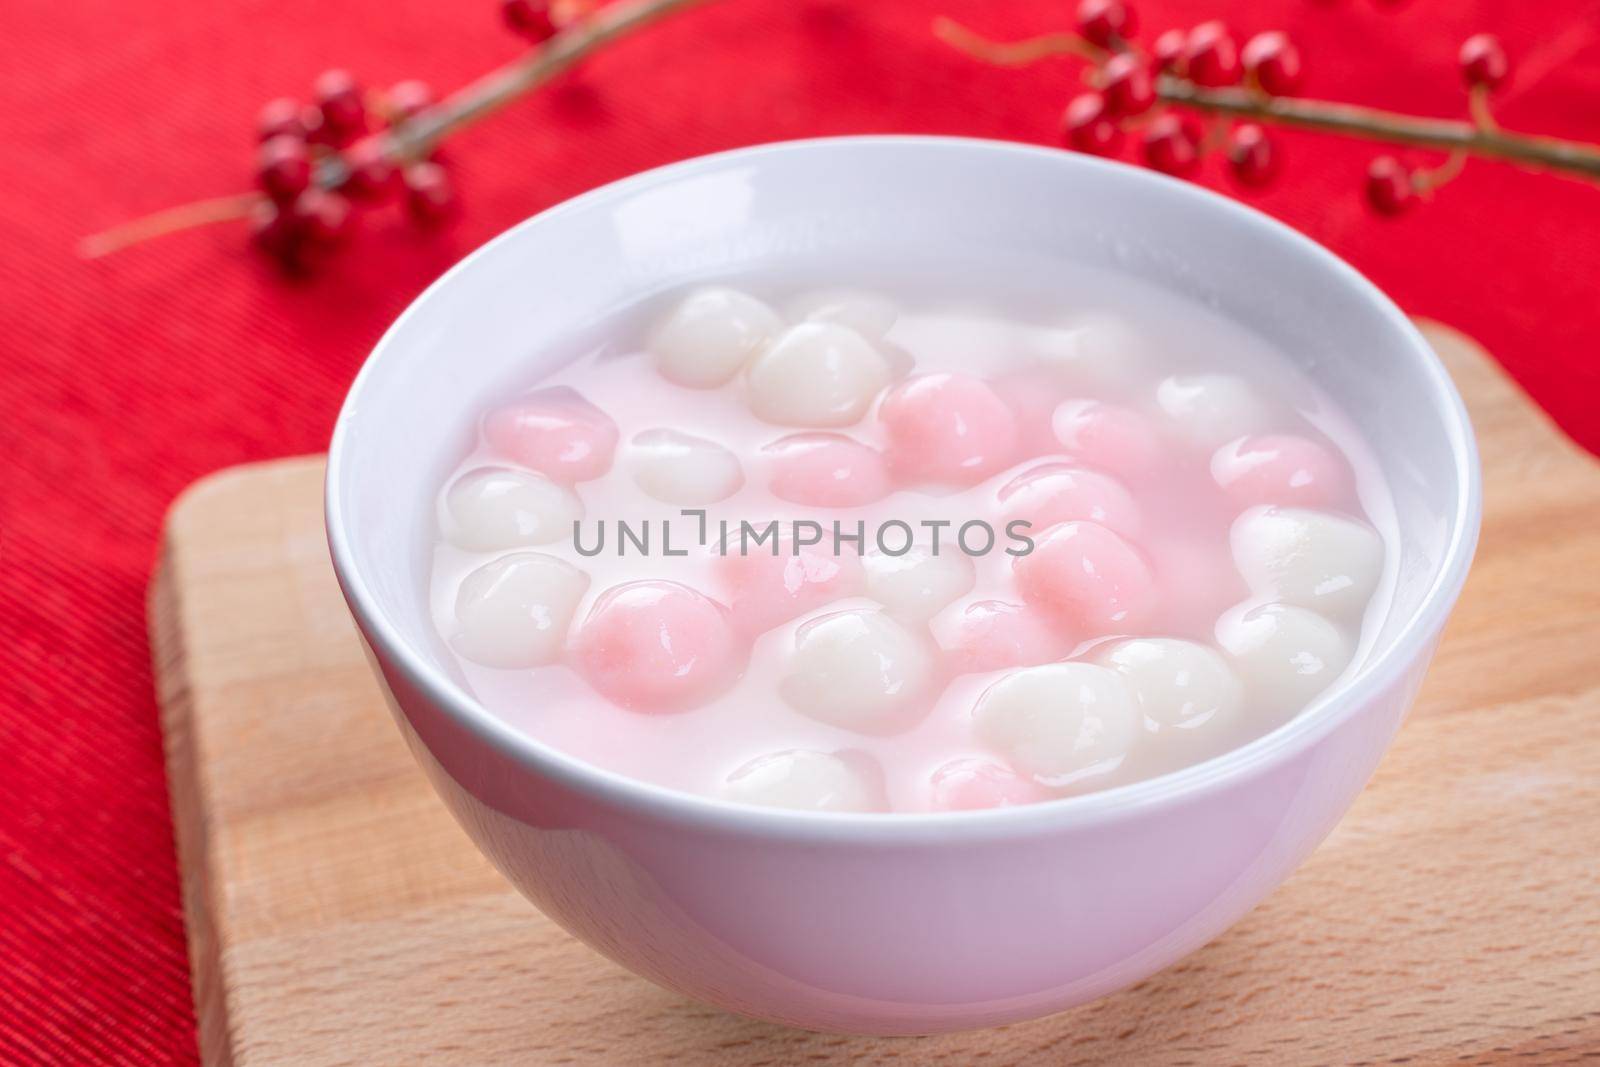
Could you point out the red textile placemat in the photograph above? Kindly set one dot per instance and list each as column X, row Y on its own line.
column 123, row 380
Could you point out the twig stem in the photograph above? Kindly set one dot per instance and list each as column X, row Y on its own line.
column 172, row 220
column 501, row 86
column 1016, row 54
column 1548, row 153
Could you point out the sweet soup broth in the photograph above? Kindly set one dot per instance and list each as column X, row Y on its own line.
column 851, row 550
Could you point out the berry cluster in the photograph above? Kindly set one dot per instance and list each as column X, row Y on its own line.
column 306, row 216
column 1189, row 94
column 317, row 161
column 1195, row 92
column 1124, row 98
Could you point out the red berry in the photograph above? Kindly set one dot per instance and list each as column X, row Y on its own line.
column 339, row 99
column 1106, row 23
column 317, row 131
column 1210, row 58
column 1166, row 55
column 1273, row 62
column 408, row 98
column 1086, row 126
column 1483, row 62
column 1389, row 188
column 322, row 217
column 430, row 200
column 279, row 118
column 283, row 168
column 530, row 19
column 372, row 174
column 275, row 233
column 300, row 235
column 1252, row 157
column 1172, row 144
column 1127, row 85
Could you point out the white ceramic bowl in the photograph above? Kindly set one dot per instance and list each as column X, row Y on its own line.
column 889, row 923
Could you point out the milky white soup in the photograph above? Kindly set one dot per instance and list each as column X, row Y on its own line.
column 837, row 549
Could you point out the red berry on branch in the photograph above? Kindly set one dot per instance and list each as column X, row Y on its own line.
column 317, row 131
column 430, row 199
column 372, row 174
column 1273, row 62
column 408, row 99
column 343, row 110
column 1252, row 157
column 1166, row 55
column 1172, row 144
column 1210, row 58
column 323, row 218
column 300, row 235
column 1086, row 126
column 1389, row 188
column 1126, row 85
column 529, row 19
column 280, row 117
column 275, row 233
column 283, row 168
column 1106, row 23
column 1483, row 62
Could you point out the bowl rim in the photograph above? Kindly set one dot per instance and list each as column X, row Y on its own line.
column 1330, row 709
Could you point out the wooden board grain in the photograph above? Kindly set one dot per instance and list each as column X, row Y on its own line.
column 338, row 916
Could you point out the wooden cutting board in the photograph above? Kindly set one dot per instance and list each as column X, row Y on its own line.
column 338, row 916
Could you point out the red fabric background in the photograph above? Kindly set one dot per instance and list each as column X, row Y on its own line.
column 123, row 380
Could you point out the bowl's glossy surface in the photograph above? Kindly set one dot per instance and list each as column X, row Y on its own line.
column 890, row 923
